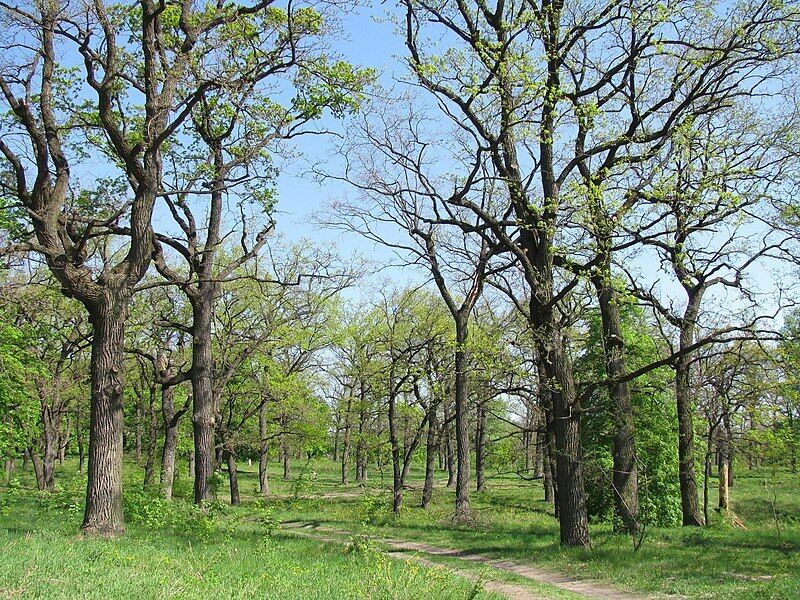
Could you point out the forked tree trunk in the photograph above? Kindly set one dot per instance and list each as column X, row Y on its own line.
column 103, row 515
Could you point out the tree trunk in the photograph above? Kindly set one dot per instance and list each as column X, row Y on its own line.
column 571, row 494
column 430, row 456
column 38, row 469
column 625, row 477
column 192, row 468
column 361, row 445
column 103, row 515
column 723, row 466
column 233, row 478
column 447, row 434
column 462, row 420
column 480, row 449
column 346, row 437
column 47, row 464
column 685, row 404
column 63, row 439
column 137, row 437
column 263, row 450
column 202, row 392
column 9, row 469
column 169, row 450
column 688, row 484
column 285, row 457
column 397, row 483
column 152, row 441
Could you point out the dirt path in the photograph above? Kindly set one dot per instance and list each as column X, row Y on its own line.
column 582, row 587
column 509, row 590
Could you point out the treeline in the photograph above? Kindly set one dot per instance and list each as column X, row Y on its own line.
column 598, row 194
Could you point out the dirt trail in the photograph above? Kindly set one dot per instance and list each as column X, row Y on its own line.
column 582, row 587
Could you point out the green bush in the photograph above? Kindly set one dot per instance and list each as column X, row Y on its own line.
column 146, row 508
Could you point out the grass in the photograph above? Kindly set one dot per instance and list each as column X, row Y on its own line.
column 41, row 555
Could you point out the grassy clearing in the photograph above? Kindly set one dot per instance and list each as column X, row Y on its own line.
column 162, row 555
column 719, row 561
column 41, row 556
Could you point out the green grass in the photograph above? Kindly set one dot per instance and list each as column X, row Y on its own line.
column 42, row 556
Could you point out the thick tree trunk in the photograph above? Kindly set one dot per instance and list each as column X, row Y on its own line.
column 103, row 515
column 430, row 456
column 625, row 477
column 9, row 469
column 463, row 511
column 480, row 449
column 263, row 450
column 202, row 392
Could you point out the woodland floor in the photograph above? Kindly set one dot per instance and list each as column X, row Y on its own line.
column 315, row 538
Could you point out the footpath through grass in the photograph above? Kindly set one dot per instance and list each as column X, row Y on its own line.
column 178, row 552
column 174, row 550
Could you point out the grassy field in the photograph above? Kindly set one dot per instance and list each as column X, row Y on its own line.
column 172, row 550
